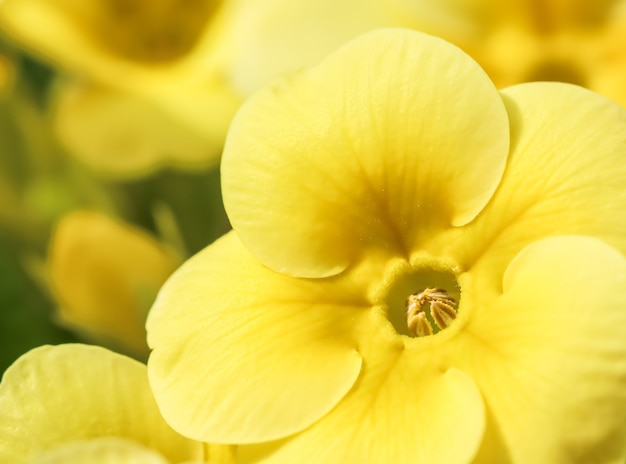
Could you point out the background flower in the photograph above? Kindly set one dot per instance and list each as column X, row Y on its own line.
column 70, row 401
column 104, row 275
column 163, row 51
column 556, row 40
column 186, row 66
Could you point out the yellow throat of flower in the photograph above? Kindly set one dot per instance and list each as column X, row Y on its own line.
column 420, row 297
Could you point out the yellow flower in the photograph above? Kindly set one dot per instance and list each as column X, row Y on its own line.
column 105, row 275
column 395, row 168
column 81, row 403
column 571, row 41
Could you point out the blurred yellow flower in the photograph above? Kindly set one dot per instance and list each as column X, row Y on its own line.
column 155, row 54
column 420, row 270
column 104, row 275
column 573, row 41
column 165, row 77
column 123, row 134
column 81, row 403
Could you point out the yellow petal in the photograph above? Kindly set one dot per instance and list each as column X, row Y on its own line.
column 396, row 135
column 105, row 275
column 402, row 413
column 107, row 450
column 242, row 354
column 127, row 135
column 549, row 355
column 566, row 175
column 52, row 396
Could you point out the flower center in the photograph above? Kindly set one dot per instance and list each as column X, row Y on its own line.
column 442, row 311
column 430, row 309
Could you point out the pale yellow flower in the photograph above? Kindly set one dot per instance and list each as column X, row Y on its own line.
column 394, row 168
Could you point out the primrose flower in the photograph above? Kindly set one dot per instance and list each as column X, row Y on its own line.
column 105, row 275
column 81, row 403
column 422, row 269
column 571, row 41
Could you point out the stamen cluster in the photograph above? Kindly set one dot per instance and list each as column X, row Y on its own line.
column 442, row 311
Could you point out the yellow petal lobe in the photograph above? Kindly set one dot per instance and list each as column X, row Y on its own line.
column 565, row 175
column 549, row 354
column 239, row 360
column 55, row 395
column 375, row 148
column 398, row 413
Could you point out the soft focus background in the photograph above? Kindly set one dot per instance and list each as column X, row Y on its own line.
column 42, row 185
column 114, row 113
